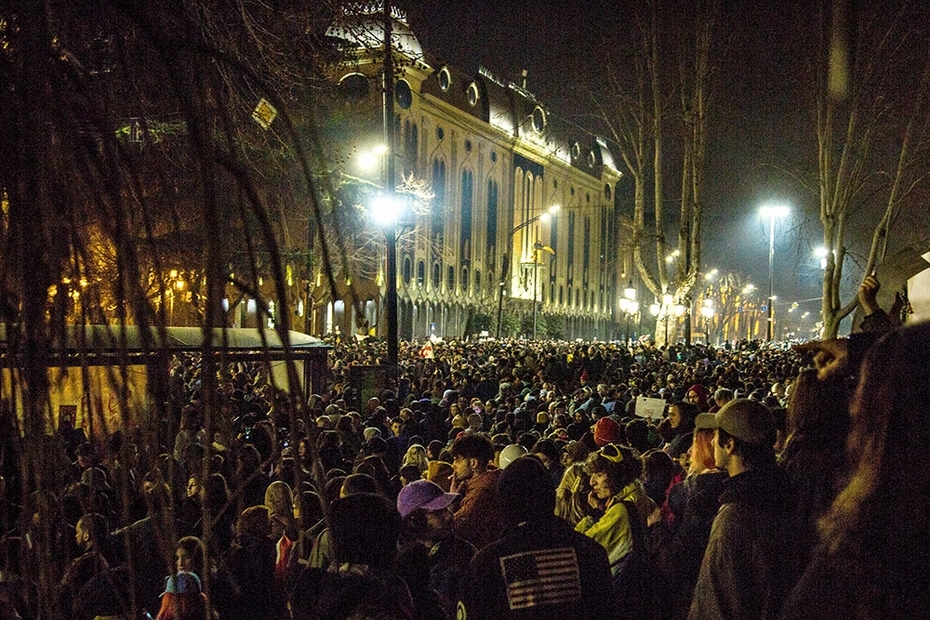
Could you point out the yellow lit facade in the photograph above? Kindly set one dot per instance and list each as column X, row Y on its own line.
column 496, row 161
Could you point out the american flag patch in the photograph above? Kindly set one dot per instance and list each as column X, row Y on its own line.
column 542, row 577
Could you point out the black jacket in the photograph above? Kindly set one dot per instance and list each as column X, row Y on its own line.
column 542, row 569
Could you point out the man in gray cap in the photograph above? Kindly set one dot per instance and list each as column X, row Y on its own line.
column 749, row 565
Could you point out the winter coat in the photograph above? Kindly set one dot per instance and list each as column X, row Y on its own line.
column 749, row 565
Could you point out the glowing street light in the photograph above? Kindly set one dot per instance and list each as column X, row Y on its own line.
column 772, row 212
column 505, row 263
column 666, row 310
column 370, row 160
column 629, row 307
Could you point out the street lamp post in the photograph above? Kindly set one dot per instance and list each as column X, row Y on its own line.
column 629, row 307
column 665, row 310
column 390, row 308
column 772, row 212
column 505, row 265
column 707, row 313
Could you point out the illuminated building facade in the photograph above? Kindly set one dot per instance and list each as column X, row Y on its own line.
column 496, row 161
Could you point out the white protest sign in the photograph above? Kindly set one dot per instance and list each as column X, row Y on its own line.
column 653, row 408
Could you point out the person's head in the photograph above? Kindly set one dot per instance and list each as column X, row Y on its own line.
column 697, row 396
column 744, row 435
column 636, row 432
column 308, row 508
column 434, row 448
column 215, row 491
column 440, row 472
column 426, row 511
column 681, row 416
column 574, row 452
column 526, row 491
column 722, row 396
column 510, row 453
column 397, row 426
column 194, row 487
column 701, row 452
column 254, row 521
column 606, row 431
column 819, row 406
column 189, row 555
column 416, row 455
column 91, row 531
column 358, row 483
column 471, row 455
column 354, row 540
column 279, row 499
column 409, row 473
column 547, row 451
column 611, row 468
column 659, row 467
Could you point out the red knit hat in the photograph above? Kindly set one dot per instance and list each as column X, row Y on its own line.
column 606, row 431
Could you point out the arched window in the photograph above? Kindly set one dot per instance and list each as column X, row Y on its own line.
column 407, row 270
column 437, row 217
column 468, row 193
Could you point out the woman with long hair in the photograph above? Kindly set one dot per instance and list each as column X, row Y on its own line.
column 875, row 539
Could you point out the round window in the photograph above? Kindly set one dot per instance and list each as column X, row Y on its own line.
column 493, row 156
column 576, row 150
column 440, row 133
column 445, row 79
column 468, row 146
column 592, row 160
column 473, row 94
column 403, row 94
column 607, row 192
column 539, row 119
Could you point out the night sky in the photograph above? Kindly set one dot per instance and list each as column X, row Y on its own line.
column 760, row 126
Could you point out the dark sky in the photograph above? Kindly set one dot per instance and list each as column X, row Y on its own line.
column 760, row 126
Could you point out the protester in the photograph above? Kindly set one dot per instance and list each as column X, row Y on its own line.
column 490, row 391
column 479, row 519
column 874, row 538
column 539, row 568
column 750, row 562
column 615, row 480
column 428, row 524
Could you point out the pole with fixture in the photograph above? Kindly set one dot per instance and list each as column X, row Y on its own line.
column 390, row 232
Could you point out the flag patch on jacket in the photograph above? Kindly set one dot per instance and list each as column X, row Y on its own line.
column 541, row 577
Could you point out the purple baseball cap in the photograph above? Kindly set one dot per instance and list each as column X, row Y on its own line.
column 423, row 494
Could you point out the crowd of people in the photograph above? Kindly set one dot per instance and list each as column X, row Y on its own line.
column 502, row 479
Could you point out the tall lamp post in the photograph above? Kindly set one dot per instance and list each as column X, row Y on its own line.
column 772, row 212
column 505, row 265
column 666, row 310
column 389, row 231
column 629, row 307
column 707, row 313
column 537, row 248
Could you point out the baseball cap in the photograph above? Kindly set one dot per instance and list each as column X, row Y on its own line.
column 423, row 494
column 745, row 419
